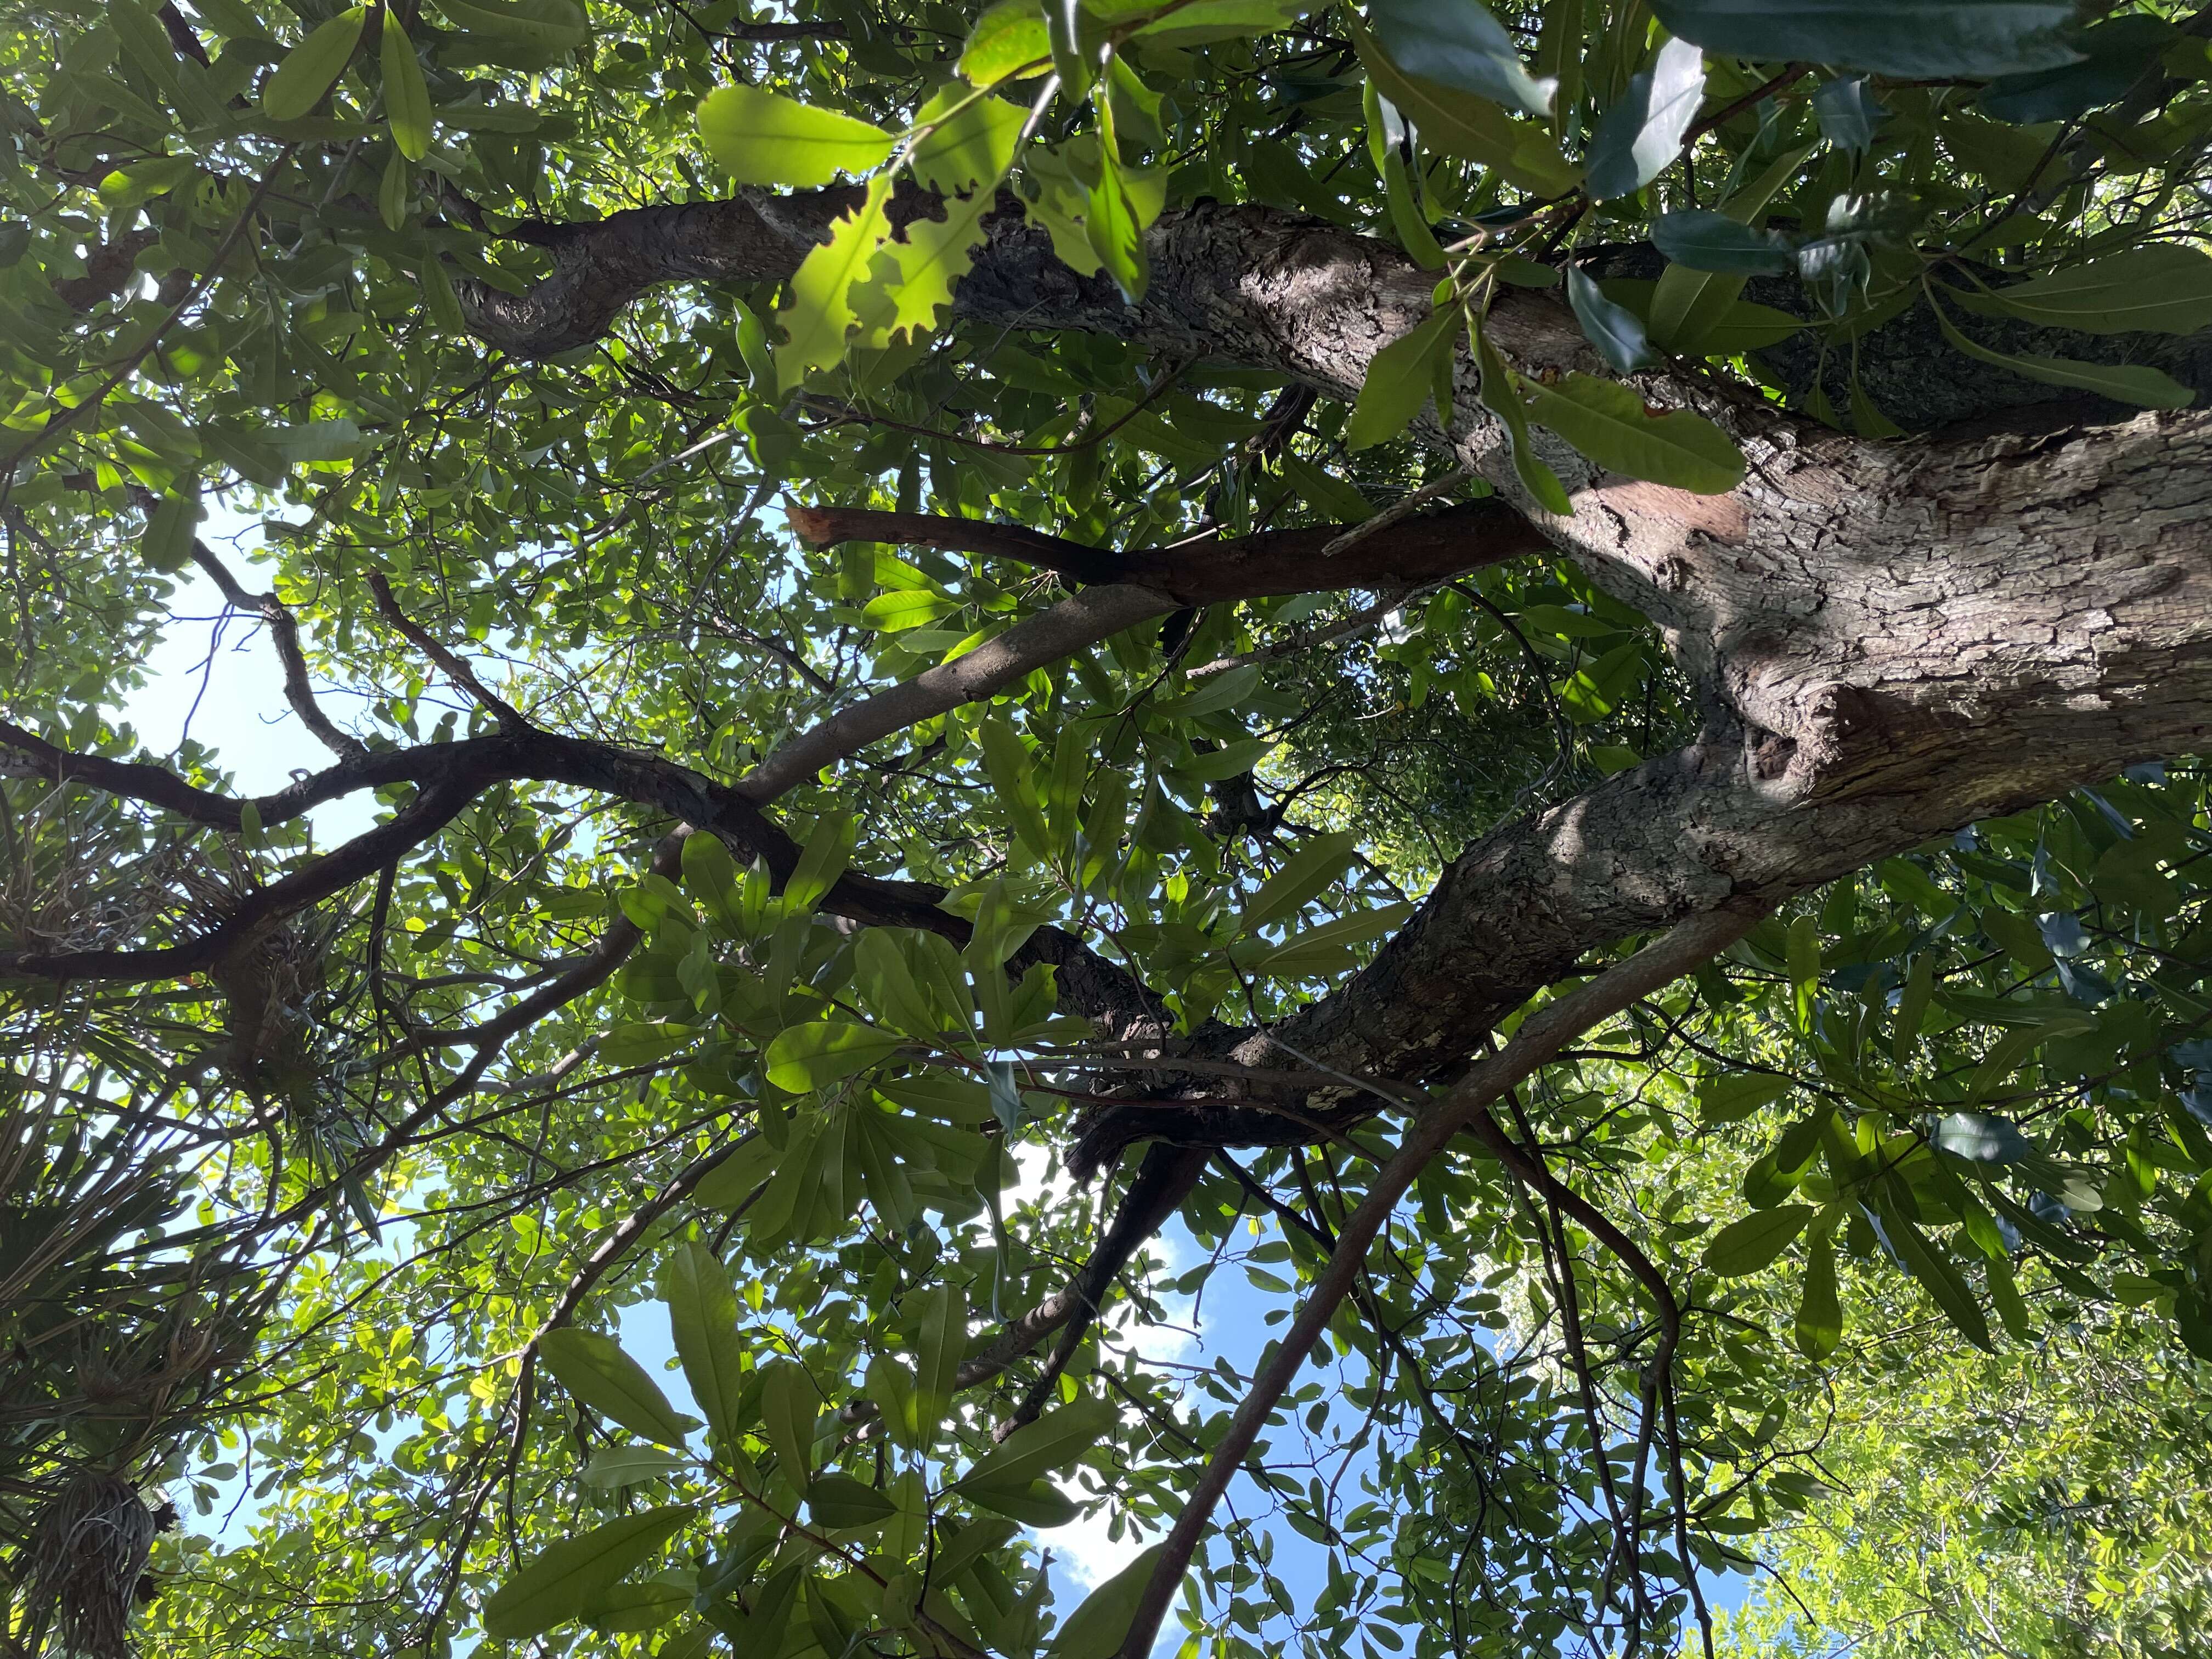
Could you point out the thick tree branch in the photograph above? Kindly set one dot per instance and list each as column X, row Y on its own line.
column 1405, row 553
column 255, row 915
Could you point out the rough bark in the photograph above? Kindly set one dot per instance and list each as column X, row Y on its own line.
column 1897, row 641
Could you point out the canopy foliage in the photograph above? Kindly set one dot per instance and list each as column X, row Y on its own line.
column 890, row 747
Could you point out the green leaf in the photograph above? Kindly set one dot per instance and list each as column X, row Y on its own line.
column 1609, row 422
column 1330, row 948
column 1938, row 1275
column 841, row 1504
column 615, row 1467
column 594, row 1368
column 819, row 314
column 1114, row 225
column 1503, row 400
column 311, row 69
column 821, row 863
column 702, row 1314
column 733, row 1180
column 887, row 980
column 1640, row 136
column 141, row 181
column 1007, row 760
column 2118, row 52
column 1457, row 43
column 972, row 147
column 1008, row 37
column 1053, row 1442
column 1399, row 379
column 392, row 195
column 1305, row 876
column 1980, row 1139
column 1735, row 1095
column 940, row 1340
column 170, row 531
column 790, row 1407
column 1819, row 1323
column 1848, row 114
column 2004, row 1294
column 1687, row 304
column 2164, row 287
column 1752, row 1244
column 1912, row 1005
column 914, row 275
column 1802, row 959
column 1098, row 1627
column 1033, row 1502
column 406, row 94
column 554, row 1584
column 546, row 28
column 648, row 1604
column 1214, row 693
column 804, row 1058
column 1705, row 240
column 1911, row 39
column 1458, row 123
column 762, row 137
column 1616, row 332
column 889, row 1385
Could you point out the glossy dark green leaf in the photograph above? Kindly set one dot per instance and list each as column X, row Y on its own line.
column 594, row 1368
column 1753, row 1242
column 2120, row 51
column 2162, row 287
column 841, row 1504
column 1847, row 113
column 1399, row 379
column 2129, row 383
column 1459, row 43
column 1613, row 425
column 702, row 1315
column 1912, row 39
column 1980, row 1138
column 1098, row 1625
column 1704, row 241
column 1638, row 138
column 1615, row 330
column 554, row 1584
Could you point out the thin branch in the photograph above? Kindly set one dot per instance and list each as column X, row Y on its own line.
column 508, row 716
column 284, row 632
column 1540, row 1036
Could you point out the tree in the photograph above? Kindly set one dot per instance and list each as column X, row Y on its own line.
column 1376, row 632
column 2029, row 1500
